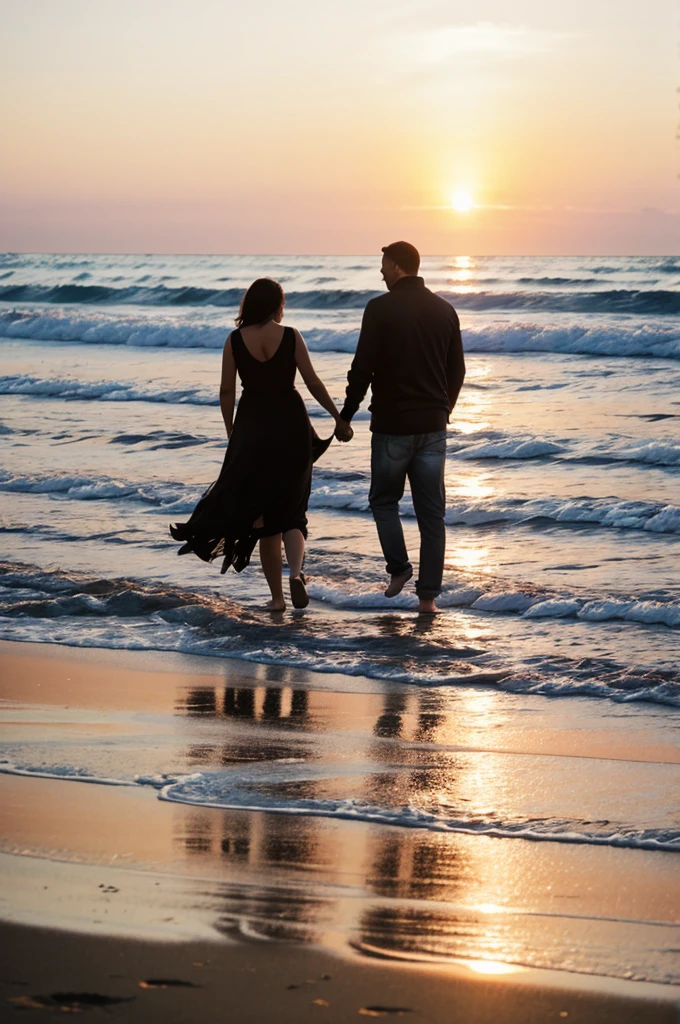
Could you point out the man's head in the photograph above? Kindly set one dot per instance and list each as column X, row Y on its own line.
column 400, row 259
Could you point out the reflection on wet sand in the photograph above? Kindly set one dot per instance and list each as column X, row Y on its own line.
column 390, row 723
column 261, row 703
column 258, row 775
column 385, row 890
column 390, row 864
column 386, row 863
column 414, row 896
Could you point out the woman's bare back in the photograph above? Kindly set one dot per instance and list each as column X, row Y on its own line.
column 262, row 342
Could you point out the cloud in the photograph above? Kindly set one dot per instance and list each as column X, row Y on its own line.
column 483, row 39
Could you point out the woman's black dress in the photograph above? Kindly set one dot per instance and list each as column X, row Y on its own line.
column 267, row 470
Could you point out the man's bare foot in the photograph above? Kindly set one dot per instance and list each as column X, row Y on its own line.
column 426, row 606
column 276, row 606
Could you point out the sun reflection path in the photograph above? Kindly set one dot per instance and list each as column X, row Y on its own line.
column 470, row 426
column 473, row 411
column 491, row 967
column 473, row 486
column 470, row 557
column 461, row 270
column 471, row 417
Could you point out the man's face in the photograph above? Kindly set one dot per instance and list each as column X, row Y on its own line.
column 390, row 271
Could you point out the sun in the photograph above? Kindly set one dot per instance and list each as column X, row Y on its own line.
column 462, row 201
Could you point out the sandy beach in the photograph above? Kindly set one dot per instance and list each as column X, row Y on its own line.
column 153, row 981
column 108, row 890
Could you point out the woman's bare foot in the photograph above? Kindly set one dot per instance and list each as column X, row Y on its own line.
column 276, row 606
column 426, row 606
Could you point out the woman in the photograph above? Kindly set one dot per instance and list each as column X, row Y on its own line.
column 263, row 488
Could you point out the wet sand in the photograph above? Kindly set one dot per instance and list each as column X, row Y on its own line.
column 104, row 889
column 144, row 981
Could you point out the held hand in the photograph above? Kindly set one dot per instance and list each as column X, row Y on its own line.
column 343, row 430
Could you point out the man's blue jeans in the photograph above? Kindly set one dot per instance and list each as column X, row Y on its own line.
column 421, row 458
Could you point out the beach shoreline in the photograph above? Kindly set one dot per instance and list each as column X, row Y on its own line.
column 104, row 895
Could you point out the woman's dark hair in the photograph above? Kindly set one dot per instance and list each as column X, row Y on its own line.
column 260, row 303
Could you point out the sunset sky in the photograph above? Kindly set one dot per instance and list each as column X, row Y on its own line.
column 221, row 126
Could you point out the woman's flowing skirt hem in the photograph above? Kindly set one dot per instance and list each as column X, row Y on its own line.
column 234, row 550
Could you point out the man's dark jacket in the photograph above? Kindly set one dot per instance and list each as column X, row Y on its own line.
column 410, row 353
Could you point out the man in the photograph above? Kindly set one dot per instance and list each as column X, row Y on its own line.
column 410, row 353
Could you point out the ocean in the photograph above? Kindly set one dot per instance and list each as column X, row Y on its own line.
column 563, row 470
column 561, row 593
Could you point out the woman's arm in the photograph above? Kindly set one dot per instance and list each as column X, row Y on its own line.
column 316, row 386
column 228, row 386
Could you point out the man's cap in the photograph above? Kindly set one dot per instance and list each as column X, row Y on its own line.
column 404, row 255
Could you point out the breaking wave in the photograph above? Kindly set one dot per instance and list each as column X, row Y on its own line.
column 626, row 339
column 349, row 492
column 619, row 300
column 30, row 592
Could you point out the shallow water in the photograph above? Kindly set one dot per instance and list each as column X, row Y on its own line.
column 562, row 472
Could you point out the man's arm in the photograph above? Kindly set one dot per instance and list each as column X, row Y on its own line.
column 455, row 366
column 363, row 365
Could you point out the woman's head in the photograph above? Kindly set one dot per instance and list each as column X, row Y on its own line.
column 261, row 303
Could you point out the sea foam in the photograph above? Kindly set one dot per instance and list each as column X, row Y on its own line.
column 229, row 790
column 625, row 339
column 337, row 492
column 245, row 789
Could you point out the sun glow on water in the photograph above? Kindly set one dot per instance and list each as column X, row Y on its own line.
column 492, row 967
